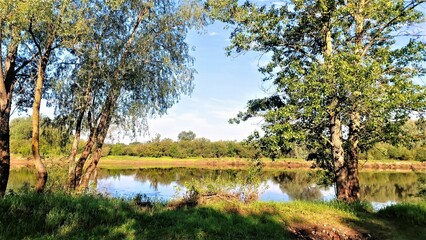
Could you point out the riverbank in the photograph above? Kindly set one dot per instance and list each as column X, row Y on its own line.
column 61, row 216
column 130, row 162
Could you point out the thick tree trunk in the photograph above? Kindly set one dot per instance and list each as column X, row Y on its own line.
column 7, row 79
column 4, row 149
column 74, row 149
column 352, row 164
column 340, row 168
column 41, row 169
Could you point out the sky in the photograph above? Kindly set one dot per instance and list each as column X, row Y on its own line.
column 223, row 85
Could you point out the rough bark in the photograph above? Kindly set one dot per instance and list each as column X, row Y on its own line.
column 353, row 193
column 4, row 149
column 340, row 168
column 7, row 79
column 41, row 169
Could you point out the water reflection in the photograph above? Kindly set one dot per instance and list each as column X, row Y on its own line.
column 380, row 188
column 376, row 187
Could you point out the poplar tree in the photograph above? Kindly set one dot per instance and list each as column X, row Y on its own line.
column 344, row 75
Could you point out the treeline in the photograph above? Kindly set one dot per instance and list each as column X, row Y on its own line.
column 199, row 147
column 54, row 144
column 205, row 148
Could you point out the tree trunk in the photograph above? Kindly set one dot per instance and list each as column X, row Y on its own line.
column 352, row 164
column 41, row 169
column 75, row 176
column 94, row 160
column 101, row 132
column 7, row 80
column 340, row 168
column 4, row 149
column 74, row 149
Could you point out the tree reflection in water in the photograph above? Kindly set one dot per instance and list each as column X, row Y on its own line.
column 298, row 185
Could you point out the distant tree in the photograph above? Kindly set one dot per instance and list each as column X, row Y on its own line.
column 341, row 83
column 186, row 136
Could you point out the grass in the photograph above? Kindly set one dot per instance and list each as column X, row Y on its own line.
column 61, row 216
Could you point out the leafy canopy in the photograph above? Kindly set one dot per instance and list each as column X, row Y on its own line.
column 331, row 57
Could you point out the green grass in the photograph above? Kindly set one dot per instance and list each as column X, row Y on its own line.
column 61, row 216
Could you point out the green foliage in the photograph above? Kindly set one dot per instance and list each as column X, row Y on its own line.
column 186, row 136
column 328, row 59
column 53, row 141
column 199, row 147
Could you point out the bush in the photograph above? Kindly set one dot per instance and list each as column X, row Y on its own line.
column 400, row 153
column 420, row 154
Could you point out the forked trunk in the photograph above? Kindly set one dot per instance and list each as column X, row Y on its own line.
column 74, row 149
column 75, row 175
column 91, row 168
column 101, row 133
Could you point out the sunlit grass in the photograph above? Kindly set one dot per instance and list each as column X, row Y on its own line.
column 61, row 216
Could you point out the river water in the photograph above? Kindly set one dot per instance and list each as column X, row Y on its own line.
column 379, row 188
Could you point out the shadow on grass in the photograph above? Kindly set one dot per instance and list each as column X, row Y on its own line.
column 401, row 221
column 61, row 216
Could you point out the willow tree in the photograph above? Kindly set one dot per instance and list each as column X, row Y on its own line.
column 135, row 64
column 343, row 72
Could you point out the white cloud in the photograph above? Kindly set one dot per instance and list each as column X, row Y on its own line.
column 206, row 118
column 213, row 33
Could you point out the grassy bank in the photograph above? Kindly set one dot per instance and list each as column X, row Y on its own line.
column 61, row 216
column 131, row 162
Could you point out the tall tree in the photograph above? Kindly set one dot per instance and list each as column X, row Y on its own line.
column 341, row 81
column 52, row 25
column 139, row 66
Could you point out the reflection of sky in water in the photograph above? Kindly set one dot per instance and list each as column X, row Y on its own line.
column 129, row 186
column 378, row 205
column 274, row 193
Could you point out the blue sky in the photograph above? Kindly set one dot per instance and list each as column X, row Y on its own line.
column 223, row 85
